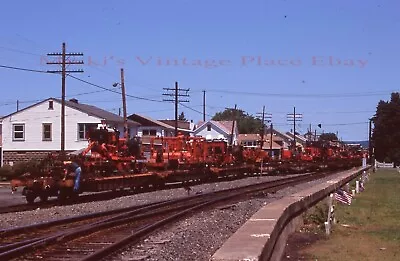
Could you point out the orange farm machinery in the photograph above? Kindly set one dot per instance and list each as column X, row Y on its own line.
column 110, row 163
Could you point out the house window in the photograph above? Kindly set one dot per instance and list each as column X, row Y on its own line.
column 149, row 132
column 18, row 132
column 51, row 105
column 84, row 128
column 208, row 127
column 46, row 135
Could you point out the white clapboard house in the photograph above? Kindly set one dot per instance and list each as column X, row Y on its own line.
column 33, row 132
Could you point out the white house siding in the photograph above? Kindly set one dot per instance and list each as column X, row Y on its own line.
column 214, row 133
column 132, row 130
column 34, row 117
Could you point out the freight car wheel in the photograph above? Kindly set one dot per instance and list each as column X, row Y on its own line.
column 62, row 195
column 30, row 196
column 44, row 197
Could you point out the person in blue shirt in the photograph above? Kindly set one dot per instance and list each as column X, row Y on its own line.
column 72, row 166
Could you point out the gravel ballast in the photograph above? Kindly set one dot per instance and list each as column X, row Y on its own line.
column 196, row 237
column 9, row 220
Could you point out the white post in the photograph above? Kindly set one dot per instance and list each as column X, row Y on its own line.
column 357, row 186
column 347, row 187
column 353, row 192
column 328, row 222
column 327, row 228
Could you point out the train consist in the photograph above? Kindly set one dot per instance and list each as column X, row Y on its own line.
column 111, row 163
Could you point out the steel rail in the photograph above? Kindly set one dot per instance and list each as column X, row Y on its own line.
column 125, row 217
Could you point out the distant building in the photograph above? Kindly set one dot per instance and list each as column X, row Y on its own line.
column 254, row 141
column 218, row 130
column 184, row 127
column 151, row 128
column 285, row 140
column 33, row 132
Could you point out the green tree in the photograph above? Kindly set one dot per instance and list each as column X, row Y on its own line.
column 386, row 133
column 328, row 137
column 182, row 117
column 246, row 123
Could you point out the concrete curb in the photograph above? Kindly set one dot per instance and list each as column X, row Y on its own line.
column 264, row 235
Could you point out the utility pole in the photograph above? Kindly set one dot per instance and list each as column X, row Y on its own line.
column 233, row 124
column 126, row 133
column 176, row 100
column 370, row 147
column 293, row 117
column 204, row 105
column 270, row 144
column 265, row 117
column 64, row 62
column 294, row 128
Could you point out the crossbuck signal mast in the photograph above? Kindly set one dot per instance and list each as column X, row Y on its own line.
column 294, row 117
column 265, row 118
column 64, row 62
column 176, row 100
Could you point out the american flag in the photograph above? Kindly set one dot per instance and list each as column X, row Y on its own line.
column 343, row 196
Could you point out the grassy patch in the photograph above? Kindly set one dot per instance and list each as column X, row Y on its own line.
column 369, row 229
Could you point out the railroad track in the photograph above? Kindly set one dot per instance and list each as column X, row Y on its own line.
column 92, row 237
column 110, row 195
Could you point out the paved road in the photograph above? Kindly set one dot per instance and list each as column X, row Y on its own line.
column 7, row 198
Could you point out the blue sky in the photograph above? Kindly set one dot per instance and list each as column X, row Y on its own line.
column 272, row 53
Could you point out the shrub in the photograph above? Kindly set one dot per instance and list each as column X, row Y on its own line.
column 24, row 167
column 6, row 172
column 317, row 215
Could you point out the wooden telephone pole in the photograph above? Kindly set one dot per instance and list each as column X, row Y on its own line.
column 126, row 133
column 293, row 117
column 176, row 101
column 265, row 117
column 65, row 60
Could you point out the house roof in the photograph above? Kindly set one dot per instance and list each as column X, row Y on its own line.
column 147, row 121
column 86, row 108
column 282, row 134
column 225, row 126
column 275, row 146
column 256, row 136
column 97, row 112
column 183, row 125
column 298, row 136
column 249, row 137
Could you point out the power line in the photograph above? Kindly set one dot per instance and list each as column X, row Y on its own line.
column 25, row 69
column 111, row 90
column 176, row 101
column 64, row 62
column 302, row 95
column 190, row 108
column 19, row 51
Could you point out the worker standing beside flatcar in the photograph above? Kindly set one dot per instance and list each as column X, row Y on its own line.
column 73, row 166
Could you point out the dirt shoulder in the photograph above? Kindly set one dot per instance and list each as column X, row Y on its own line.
column 368, row 229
